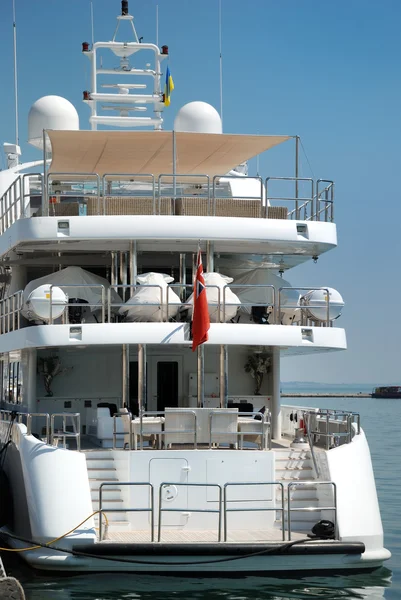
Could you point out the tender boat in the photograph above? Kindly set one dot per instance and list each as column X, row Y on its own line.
column 135, row 436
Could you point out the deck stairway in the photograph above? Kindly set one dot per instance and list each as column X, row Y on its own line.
column 102, row 469
column 295, row 464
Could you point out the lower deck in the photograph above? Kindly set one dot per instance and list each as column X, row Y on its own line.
column 173, row 536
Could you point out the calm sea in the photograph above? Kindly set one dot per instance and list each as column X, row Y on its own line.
column 381, row 420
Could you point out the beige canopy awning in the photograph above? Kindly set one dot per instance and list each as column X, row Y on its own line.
column 152, row 151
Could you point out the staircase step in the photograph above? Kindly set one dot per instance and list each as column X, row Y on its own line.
column 108, row 501
column 293, row 468
column 100, row 454
column 101, row 469
column 298, row 502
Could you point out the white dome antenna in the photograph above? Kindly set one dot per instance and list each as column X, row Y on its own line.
column 198, row 117
column 50, row 112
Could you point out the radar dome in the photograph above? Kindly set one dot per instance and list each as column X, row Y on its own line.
column 198, row 117
column 50, row 112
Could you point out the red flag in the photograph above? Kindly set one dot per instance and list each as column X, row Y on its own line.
column 200, row 317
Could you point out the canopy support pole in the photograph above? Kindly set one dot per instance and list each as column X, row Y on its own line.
column 276, row 400
column 113, row 269
column 125, row 376
column 141, row 378
column 210, row 257
column 183, row 277
column 201, row 376
column 223, row 376
column 174, row 167
column 296, row 174
column 133, row 262
column 123, row 274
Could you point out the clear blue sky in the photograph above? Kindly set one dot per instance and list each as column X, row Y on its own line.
column 329, row 71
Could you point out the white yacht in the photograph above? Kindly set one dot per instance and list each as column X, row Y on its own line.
column 122, row 448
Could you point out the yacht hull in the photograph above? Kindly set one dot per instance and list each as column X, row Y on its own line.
column 263, row 559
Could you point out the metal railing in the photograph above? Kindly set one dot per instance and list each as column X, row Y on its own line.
column 338, row 426
column 15, row 200
column 290, row 509
column 248, row 484
column 301, row 310
column 153, row 425
column 64, row 432
column 82, row 188
column 299, row 207
column 71, row 187
column 324, row 200
column 10, row 312
column 198, row 510
column 105, row 484
column 106, row 310
column 52, row 433
column 101, row 305
column 31, row 416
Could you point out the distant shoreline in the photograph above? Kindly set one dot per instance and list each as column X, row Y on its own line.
column 326, row 395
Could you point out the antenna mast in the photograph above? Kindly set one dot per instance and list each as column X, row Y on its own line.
column 15, row 77
column 157, row 24
column 221, row 66
column 93, row 31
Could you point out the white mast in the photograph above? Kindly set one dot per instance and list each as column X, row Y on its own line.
column 221, row 66
column 124, row 101
column 15, row 77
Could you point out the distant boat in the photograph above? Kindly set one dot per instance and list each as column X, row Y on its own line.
column 387, row 392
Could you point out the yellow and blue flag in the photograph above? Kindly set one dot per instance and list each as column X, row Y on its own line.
column 168, row 88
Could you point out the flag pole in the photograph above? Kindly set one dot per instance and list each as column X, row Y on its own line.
column 201, row 376
column 174, row 166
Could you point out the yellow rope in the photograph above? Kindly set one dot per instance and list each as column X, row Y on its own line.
column 58, row 538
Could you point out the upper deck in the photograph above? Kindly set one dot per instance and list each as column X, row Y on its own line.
column 241, row 214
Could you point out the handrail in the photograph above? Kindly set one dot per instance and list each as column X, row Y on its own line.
column 307, row 418
column 245, row 304
column 29, row 424
column 131, row 176
column 304, row 307
column 257, row 417
column 320, row 201
column 294, row 484
column 176, row 177
column 216, row 180
column 328, row 200
column 247, row 483
column 296, row 198
column 74, row 178
column 10, row 308
column 79, row 285
column 116, row 510
column 64, row 434
column 199, row 510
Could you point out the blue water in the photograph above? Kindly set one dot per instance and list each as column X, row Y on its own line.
column 381, row 421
